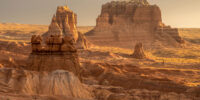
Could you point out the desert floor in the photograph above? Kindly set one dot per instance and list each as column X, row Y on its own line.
column 165, row 69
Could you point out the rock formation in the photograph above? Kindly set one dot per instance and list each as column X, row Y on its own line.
column 56, row 53
column 57, row 48
column 124, row 23
column 56, row 83
column 64, row 24
column 138, row 52
column 82, row 42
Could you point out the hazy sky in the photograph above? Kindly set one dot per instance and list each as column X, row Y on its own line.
column 177, row 13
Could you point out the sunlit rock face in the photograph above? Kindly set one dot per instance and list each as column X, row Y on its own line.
column 53, row 53
column 124, row 23
column 56, row 83
column 64, row 23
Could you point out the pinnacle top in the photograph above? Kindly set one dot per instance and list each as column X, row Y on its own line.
column 63, row 8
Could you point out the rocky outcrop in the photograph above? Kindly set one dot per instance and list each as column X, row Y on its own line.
column 56, row 83
column 64, row 24
column 82, row 42
column 173, row 32
column 124, row 23
column 139, row 52
column 57, row 48
column 56, row 53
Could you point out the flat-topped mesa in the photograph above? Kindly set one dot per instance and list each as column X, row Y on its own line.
column 64, row 20
column 128, row 12
column 125, row 23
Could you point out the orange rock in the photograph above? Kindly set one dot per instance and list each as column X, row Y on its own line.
column 55, row 54
column 124, row 23
column 138, row 52
column 63, row 23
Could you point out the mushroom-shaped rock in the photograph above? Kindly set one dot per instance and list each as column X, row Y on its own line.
column 139, row 52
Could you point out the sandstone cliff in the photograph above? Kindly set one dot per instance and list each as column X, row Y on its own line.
column 124, row 23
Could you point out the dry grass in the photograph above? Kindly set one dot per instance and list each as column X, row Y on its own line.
column 191, row 34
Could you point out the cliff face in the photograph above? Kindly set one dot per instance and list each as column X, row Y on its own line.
column 124, row 23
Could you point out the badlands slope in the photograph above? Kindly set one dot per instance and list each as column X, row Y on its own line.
column 168, row 69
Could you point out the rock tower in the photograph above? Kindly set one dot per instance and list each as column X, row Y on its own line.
column 64, row 24
column 139, row 52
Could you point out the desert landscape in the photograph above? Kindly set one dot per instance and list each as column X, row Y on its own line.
column 129, row 55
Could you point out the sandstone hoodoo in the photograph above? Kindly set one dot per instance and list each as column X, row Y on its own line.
column 124, row 23
column 64, row 24
column 53, row 53
column 139, row 52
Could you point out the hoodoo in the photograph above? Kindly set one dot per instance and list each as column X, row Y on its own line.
column 64, row 24
column 57, row 53
column 139, row 52
column 125, row 23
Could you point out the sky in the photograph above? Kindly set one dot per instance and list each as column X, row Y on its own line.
column 177, row 13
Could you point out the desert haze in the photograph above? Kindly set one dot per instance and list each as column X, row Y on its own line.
column 130, row 54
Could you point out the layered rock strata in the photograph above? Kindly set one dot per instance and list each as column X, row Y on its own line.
column 56, row 83
column 124, row 23
column 56, row 53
